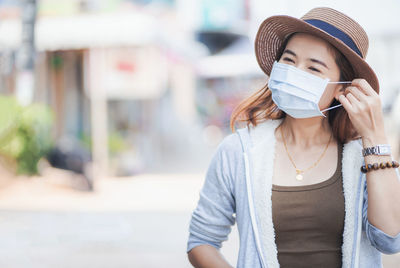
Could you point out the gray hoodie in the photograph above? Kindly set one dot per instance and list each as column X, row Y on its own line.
column 238, row 187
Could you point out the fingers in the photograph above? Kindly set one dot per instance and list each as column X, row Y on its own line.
column 346, row 103
column 357, row 93
column 356, row 100
column 363, row 85
column 353, row 100
column 359, row 97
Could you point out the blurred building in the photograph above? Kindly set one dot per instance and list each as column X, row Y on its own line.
column 230, row 71
column 88, row 59
column 143, row 82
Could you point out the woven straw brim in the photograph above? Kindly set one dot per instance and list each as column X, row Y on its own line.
column 273, row 31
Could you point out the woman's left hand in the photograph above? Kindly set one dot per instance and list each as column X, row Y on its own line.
column 364, row 108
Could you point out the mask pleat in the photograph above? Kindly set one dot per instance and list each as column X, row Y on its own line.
column 295, row 91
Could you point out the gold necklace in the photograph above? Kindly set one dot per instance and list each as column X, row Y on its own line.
column 299, row 172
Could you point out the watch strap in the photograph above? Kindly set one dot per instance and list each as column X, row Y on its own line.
column 380, row 149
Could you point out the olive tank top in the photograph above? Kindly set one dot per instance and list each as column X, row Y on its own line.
column 309, row 222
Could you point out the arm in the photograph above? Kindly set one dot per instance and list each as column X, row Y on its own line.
column 213, row 217
column 382, row 241
column 207, row 256
column 364, row 108
column 384, row 192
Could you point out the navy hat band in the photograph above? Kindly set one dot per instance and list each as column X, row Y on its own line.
column 335, row 32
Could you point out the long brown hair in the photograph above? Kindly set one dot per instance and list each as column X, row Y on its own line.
column 260, row 107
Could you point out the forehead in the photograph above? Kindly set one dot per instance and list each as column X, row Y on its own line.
column 310, row 46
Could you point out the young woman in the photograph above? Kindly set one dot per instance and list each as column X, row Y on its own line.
column 310, row 180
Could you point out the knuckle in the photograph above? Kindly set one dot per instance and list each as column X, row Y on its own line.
column 354, row 89
column 373, row 100
column 361, row 82
column 377, row 102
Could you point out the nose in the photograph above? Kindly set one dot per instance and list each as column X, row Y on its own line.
column 301, row 66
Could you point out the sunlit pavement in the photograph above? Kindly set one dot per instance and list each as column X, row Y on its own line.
column 139, row 221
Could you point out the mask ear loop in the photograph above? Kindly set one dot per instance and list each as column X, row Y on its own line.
column 330, row 108
column 340, row 82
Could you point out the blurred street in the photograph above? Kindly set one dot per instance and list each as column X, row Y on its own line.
column 139, row 221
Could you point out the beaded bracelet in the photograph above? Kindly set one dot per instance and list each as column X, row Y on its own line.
column 382, row 165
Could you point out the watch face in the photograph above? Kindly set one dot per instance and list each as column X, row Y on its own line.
column 384, row 149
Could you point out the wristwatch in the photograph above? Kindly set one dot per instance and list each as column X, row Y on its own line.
column 380, row 149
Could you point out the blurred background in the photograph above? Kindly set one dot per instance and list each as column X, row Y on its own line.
column 110, row 111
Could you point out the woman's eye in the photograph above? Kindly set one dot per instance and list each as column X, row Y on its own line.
column 288, row 59
column 314, row 69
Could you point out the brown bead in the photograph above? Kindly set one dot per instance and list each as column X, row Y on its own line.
column 369, row 167
column 382, row 165
column 388, row 164
column 363, row 169
column 375, row 166
column 395, row 164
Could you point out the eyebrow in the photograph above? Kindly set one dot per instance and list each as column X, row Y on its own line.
column 288, row 51
column 319, row 62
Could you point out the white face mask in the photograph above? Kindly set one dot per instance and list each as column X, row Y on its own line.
column 297, row 92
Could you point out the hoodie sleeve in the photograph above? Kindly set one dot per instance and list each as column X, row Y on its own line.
column 213, row 217
column 382, row 241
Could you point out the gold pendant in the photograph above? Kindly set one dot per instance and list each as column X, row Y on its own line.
column 299, row 177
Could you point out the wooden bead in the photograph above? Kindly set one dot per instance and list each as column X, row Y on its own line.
column 369, row 167
column 363, row 169
column 375, row 166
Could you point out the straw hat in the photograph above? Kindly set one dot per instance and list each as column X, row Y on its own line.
column 331, row 25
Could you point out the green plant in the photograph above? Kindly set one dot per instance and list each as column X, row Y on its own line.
column 25, row 133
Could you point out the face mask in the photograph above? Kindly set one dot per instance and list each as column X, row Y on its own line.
column 297, row 92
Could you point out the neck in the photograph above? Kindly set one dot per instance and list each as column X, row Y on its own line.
column 306, row 132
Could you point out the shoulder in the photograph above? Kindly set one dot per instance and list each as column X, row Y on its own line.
column 230, row 144
column 263, row 132
column 227, row 161
column 244, row 138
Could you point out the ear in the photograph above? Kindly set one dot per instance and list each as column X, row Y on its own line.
column 339, row 90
